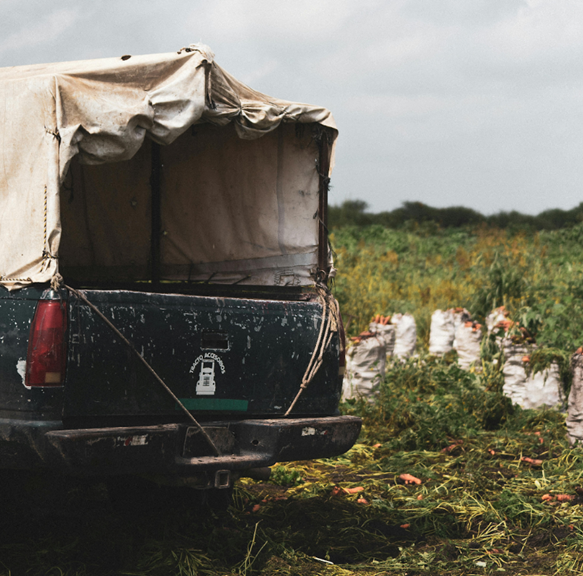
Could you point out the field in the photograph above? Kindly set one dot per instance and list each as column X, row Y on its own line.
column 495, row 489
column 538, row 277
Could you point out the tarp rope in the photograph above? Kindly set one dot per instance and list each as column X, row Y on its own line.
column 57, row 281
column 329, row 325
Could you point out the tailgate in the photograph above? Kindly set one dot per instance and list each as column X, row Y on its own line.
column 218, row 355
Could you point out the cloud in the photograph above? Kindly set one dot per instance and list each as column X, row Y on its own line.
column 483, row 95
column 42, row 32
column 268, row 67
column 538, row 29
column 263, row 21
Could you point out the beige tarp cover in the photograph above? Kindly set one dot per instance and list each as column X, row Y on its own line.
column 239, row 179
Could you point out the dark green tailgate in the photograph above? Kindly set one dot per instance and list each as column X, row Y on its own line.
column 230, row 356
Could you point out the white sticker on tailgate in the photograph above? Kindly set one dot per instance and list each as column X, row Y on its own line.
column 209, row 364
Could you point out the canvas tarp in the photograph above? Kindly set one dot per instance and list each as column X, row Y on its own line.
column 239, row 183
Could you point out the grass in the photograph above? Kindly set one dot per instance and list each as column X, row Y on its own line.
column 478, row 509
column 538, row 277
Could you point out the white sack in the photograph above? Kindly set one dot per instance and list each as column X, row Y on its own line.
column 365, row 368
column 543, row 389
column 387, row 332
column 406, row 335
column 467, row 344
column 441, row 332
column 460, row 317
column 575, row 408
column 529, row 391
column 513, row 370
column 494, row 317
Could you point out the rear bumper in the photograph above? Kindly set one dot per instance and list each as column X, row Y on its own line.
column 179, row 450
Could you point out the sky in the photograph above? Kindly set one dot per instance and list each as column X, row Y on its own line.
column 477, row 103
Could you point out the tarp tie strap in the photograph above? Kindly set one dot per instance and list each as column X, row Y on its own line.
column 329, row 325
column 56, row 282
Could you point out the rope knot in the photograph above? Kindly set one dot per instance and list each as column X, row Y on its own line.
column 56, row 282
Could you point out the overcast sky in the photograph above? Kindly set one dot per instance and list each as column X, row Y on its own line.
column 449, row 102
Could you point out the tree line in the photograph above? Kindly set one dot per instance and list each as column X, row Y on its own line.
column 355, row 213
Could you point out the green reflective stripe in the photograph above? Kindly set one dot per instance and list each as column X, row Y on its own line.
column 214, row 404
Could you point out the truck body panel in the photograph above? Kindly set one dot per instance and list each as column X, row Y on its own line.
column 219, row 355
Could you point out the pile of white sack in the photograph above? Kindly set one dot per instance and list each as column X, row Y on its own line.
column 468, row 344
column 365, row 366
column 444, row 324
column 453, row 329
column 388, row 336
column 405, row 335
column 528, row 390
column 382, row 327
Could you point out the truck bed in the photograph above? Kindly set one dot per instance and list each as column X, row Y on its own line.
column 235, row 363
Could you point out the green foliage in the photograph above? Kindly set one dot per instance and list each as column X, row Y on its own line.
column 385, row 271
column 455, row 404
column 414, row 214
column 538, row 277
column 505, row 284
column 285, row 476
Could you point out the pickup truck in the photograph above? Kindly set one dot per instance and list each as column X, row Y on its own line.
column 164, row 307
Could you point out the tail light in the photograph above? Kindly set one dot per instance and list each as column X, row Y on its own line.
column 47, row 345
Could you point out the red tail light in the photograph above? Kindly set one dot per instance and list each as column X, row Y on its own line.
column 47, row 345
